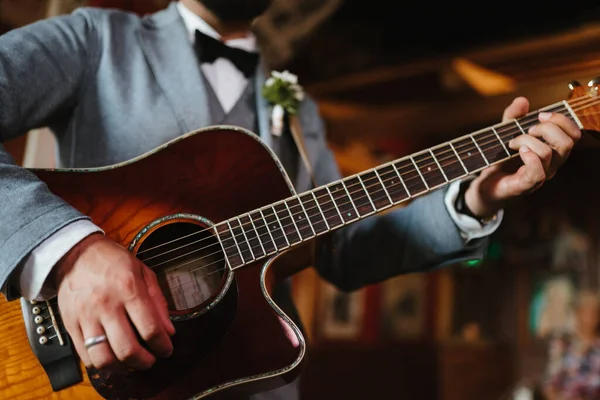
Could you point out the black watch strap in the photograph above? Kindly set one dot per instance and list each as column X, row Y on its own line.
column 461, row 205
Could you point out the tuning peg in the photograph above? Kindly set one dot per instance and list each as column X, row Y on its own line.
column 594, row 82
column 574, row 84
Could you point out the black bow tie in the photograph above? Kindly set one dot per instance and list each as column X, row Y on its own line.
column 209, row 49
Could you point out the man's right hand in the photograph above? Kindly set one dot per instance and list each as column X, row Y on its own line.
column 104, row 290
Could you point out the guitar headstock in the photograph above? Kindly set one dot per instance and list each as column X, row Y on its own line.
column 585, row 103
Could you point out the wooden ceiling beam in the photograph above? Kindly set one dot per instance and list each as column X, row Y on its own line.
column 436, row 120
column 551, row 55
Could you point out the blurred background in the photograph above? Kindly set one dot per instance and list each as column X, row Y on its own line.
column 392, row 78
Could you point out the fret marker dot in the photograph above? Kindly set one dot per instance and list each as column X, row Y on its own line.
column 469, row 153
column 428, row 168
column 349, row 214
column 274, row 226
column 299, row 216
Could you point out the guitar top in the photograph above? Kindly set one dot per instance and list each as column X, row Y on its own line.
column 22, row 377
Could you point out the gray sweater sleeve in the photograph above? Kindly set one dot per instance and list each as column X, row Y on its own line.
column 43, row 67
column 417, row 238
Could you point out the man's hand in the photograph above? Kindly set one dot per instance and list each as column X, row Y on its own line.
column 538, row 162
column 104, row 290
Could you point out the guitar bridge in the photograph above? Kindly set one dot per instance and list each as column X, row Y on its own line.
column 51, row 343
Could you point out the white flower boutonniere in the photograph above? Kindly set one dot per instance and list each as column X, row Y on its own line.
column 285, row 94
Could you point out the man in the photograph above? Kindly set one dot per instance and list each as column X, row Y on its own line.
column 113, row 86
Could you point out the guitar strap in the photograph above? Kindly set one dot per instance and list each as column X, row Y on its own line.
column 296, row 130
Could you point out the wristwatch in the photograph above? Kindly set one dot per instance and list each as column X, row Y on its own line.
column 461, row 206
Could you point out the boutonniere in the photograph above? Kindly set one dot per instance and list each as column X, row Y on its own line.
column 285, row 94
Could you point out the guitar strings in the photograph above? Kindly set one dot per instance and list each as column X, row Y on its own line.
column 254, row 247
column 380, row 188
column 483, row 144
column 332, row 201
column 250, row 247
column 457, row 149
column 469, row 145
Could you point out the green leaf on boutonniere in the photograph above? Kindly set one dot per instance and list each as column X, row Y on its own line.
column 282, row 89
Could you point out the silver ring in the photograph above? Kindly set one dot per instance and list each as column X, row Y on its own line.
column 94, row 340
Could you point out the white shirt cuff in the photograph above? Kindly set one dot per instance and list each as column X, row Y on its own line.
column 469, row 227
column 39, row 263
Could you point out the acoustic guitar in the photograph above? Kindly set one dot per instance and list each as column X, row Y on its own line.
column 215, row 216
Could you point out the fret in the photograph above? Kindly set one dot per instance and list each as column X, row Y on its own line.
column 241, row 241
column 249, row 235
column 358, row 192
column 507, row 132
column 235, row 241
column 356, row 215
column 301, row 218
column 342, row 201
column 487, row 142
column 501, row 142
column 292, row 217
column 571, row 113
column 393, row 184
column 438, row 165
column 275, row 228
column 316, row 219
column 519, row 126
column 384, row 188
column 332, row 214
column 429, row 170
column 401, row 180
column 264, row 234
column 449, row 161
column 476, row 145
column 245, row 242
column 287, row 223
column 252, row 234
column 321, row 211
column 458, row 157
column 219, row 238
column 419, row 172
column 232, row 255
column 411, row 177
column 515, row 134
column 376, row 190
column 372, row 207
column 471, row 158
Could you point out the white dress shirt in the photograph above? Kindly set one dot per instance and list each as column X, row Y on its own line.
column 228, row 83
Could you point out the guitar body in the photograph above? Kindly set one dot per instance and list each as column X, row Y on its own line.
column 233, row 341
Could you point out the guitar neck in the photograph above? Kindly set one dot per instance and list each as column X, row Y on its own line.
column 293, row 221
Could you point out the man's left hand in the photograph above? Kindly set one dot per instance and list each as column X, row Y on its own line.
column 539, row 161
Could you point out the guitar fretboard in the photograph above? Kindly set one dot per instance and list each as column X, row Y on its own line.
column 279, row 226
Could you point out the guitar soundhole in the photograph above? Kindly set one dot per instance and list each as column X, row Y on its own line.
column 188, row 262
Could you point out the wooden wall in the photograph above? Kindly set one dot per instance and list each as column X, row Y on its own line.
column 16, row 148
